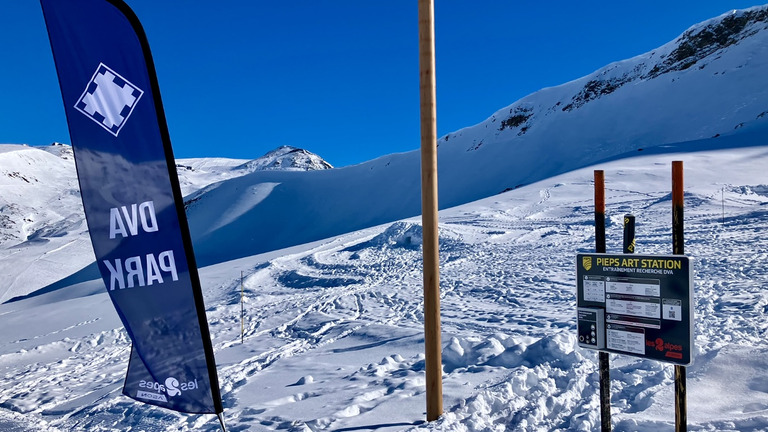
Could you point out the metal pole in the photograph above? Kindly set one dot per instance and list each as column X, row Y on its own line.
column 681, row 402
column 603, row 359
column 242, row 309
column 221, row 421
column 429, row 216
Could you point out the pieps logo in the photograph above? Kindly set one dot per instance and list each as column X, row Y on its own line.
column 586, row 262
column 170, row 387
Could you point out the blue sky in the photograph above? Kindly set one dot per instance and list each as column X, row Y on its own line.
column 338, row 77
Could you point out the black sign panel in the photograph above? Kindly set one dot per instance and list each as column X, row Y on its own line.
column 646, row 301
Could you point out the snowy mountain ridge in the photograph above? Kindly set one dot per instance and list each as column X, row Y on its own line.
column 195, row 174
column 26, row 164
column 676, row 77
column 705, row 92
column 286, row 158
column 42, row 224
column 693, row 47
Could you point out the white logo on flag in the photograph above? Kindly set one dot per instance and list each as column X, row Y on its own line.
column 108, row 99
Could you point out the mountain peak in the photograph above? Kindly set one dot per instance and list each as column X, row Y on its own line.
column 700, row 44
column 671, row 87
column 711, row 36
column 286, row 158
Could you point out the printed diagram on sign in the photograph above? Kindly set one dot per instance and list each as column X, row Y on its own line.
column 108, row 99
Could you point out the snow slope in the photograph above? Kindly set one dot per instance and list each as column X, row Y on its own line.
column 195, row 174
column 333, row 334
column 42, row 226
column 43, row 235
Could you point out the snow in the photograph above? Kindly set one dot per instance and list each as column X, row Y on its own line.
column 331, row 265
column 333, row 335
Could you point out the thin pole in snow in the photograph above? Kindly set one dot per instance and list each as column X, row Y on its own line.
column 429, row 216
column 242, row 309
column 722, row 200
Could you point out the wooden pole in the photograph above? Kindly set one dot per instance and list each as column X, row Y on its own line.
column 677, row 208
column 604, row 365
column 681, row 398
column 429, row 216
column 599, row 211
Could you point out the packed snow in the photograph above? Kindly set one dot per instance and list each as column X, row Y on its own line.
column 329, row 261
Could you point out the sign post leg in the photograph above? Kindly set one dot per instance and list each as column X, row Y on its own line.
column 603, row 359
column 605, row 392
column 681, row 402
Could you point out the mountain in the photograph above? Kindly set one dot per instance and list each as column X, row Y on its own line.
column 711, row 82
column 43, row 235
column 195, row 174
column 286, row 158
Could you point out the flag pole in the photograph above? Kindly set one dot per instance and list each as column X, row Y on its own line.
column 429, row 218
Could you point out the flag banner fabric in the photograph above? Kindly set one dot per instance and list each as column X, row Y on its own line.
column 133, row 202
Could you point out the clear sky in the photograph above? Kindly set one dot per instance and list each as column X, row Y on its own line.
column 338, row 77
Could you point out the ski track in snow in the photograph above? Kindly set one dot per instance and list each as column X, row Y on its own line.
column 333, row 330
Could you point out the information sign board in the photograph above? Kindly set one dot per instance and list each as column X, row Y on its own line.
column 646, row 303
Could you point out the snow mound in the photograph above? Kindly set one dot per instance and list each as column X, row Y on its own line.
column 406, row 235
column 548, row 387
column 509, row 352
